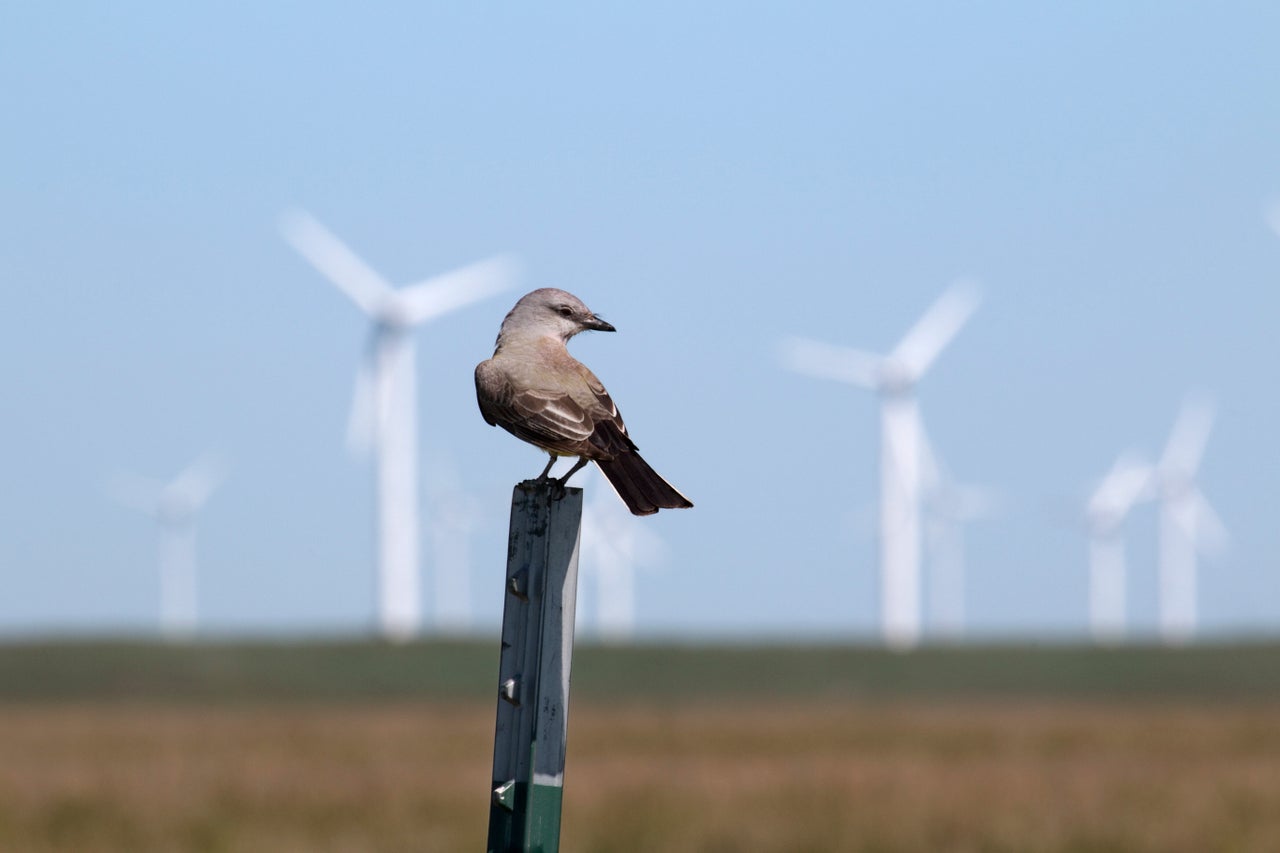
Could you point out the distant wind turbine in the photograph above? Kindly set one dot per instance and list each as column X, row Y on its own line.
column 1112, row 500
column 614, row 543
column 452, row 517
column 1188, row 524
column 948, row 507
column 893, row 377
column 174, row 506
column 384, row 412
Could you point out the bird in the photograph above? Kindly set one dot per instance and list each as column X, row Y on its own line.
column 534, row 389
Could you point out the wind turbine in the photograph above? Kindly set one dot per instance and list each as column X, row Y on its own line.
column 948, row 507
column 174, row 506
column 613, row 543
column 1117, row 493
column 385, row 410
column 1188, row 524
column 893, row 377
column 453, row 516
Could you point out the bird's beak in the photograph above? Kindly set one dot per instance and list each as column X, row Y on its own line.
column 595, row 324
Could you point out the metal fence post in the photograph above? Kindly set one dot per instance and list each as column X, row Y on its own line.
column 533, row 670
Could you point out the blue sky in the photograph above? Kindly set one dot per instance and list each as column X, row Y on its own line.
column 709, row 179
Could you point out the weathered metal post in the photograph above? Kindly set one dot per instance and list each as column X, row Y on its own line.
column 533, row 671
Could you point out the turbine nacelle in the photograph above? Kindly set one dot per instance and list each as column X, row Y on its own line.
column 393, row 315
column 175, row 510
column 895, row 378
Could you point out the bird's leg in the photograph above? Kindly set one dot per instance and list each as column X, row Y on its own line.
column 557, row 485
column 582, row 460
column 545, row 471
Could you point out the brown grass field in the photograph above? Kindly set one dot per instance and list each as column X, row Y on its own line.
column 777, row 765
column 816, row 776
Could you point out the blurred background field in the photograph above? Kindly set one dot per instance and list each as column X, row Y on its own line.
column 354, row 671
column 366, row 747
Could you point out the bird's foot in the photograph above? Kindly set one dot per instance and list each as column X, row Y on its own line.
column 542, row 478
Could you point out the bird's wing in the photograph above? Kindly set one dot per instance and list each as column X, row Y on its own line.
column 553, row 418
column 608, row 433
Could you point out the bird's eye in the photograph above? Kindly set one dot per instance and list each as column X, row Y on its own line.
column 565, row 311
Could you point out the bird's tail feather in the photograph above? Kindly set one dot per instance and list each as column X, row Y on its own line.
column 640, row 487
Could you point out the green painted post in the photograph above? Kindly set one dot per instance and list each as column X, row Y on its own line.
column 533, row 669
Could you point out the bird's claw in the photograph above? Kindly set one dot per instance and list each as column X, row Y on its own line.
column 557, row 489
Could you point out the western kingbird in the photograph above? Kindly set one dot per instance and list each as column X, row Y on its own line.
column 536, row 391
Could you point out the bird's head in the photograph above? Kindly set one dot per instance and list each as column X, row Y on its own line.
column 550, row 312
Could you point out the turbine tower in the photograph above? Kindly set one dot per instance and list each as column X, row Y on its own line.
column 385, row 410
column 1188, row 524
column 453, row 516
column 1117, row 493
column 174, row 506
column 613, row 544
column 894, row 377
column 948, row 507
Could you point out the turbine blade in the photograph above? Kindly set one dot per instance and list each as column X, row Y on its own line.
column 1123, row 486
column 827, row 361
column 1189, row 436
column 198, row 480
column 448, row 292
column 932, row 332
column 334, row 260
column 1212, row 536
